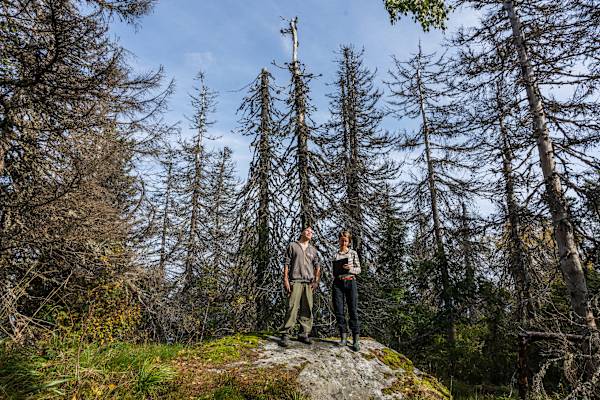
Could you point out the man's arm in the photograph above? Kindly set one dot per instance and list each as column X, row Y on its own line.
column 286, row 281
column 317, row 268
column 315, row 283
column 286, row 269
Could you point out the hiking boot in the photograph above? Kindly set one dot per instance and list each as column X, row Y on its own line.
column 284, row 342
column 343, row 339
column 305, row 339
column 355, row 343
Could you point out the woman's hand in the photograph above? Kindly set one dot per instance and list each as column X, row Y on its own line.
column 286, row 285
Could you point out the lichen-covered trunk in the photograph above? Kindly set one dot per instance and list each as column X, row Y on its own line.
column 302, row 160
column 467, row 249
column 570, row 261
column 4, row 143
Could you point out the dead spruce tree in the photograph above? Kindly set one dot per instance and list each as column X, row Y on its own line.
column 355, row 149
column 570, row 261
column 497, row 134
column 263, row 210
column 214, row 281
column 159, row 248
column 545, row 54
column 72, row 119
column 304, row 167
column 192, row 174
column 419, row 90
column 168, row 243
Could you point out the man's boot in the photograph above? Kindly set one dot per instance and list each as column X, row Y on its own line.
column 305, row 339
column 355, row 343
column 343, row 339
column 284, row 340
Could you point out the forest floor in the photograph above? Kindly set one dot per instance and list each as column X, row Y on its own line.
column 211, row 370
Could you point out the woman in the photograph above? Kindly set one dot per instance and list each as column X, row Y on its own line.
column 345, row 268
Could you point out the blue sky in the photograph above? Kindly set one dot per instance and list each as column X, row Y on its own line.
column 231, row 40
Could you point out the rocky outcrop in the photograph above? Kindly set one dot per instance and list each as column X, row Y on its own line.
column 327, row 371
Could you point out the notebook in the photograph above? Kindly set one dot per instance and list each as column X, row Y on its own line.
column 338, row 266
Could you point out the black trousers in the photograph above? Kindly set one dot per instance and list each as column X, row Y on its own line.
column 345, row 291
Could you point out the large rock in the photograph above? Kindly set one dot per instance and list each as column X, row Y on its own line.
column 327, row 371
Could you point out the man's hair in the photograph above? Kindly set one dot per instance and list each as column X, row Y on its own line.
column 345, row 233
column 305, row 228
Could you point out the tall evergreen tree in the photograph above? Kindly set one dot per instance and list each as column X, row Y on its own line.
column 419, row 90
column 542, row 44
column 263, row 208
column 542, row 51
column 356, row 150
column 195, row 158
column 304, row 166
column 213, row 286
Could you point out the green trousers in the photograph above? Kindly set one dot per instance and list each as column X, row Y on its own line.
column 300, row 304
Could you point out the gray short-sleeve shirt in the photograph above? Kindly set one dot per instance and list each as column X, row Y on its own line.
column 301, row 263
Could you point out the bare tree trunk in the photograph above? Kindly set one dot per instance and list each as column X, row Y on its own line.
column 4, row 143
column 437, row 228
column 218, row 206
column 570, row 262
column 301, row 130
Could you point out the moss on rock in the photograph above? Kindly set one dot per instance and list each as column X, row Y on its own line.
column 410, row 382
column 423, row 387
column 394, row 360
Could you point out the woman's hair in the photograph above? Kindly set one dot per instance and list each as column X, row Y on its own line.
column 346, row 234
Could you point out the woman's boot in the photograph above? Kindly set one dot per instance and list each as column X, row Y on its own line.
column 343, row 341
column 355, row 343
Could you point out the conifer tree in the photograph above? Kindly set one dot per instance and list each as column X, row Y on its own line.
column 542, row 51
column 419, row 89
column 213, row 286
column 356, row 149
column 192, row 174
column 541, row 44
column 304, row 181
column 263, row 208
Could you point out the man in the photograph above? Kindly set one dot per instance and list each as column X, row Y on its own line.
column 301, row 274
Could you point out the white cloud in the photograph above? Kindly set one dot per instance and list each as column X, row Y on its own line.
column 199, row 59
